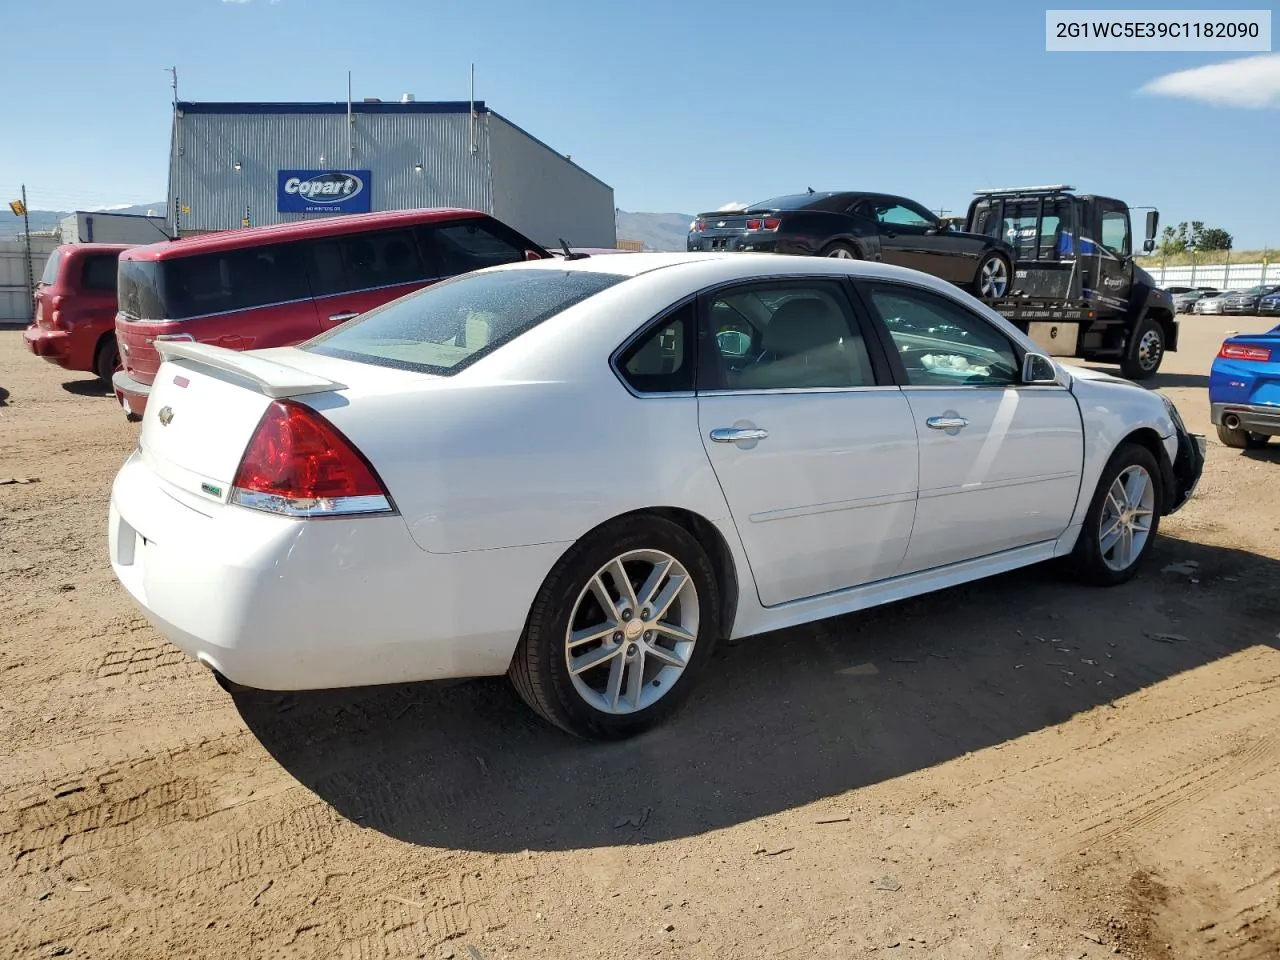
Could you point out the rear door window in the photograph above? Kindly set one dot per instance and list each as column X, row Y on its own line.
column 365, row 261
column 234, row 280
column 99, row 272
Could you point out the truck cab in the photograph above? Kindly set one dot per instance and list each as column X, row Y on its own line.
column 1075, row 288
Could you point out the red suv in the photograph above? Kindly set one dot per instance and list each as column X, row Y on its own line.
column 76, row 309
column 279, row 285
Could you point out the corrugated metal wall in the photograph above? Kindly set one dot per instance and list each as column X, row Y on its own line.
column 15, row 297
column 387, row 144
column 543, row 195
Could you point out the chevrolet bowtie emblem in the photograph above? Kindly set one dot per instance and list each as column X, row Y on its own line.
column 166, row 416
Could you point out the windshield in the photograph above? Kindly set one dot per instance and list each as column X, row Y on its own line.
column 450, row 325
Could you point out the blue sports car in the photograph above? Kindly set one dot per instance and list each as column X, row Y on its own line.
column 1244, row 389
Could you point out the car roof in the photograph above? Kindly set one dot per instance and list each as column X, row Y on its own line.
column 329, row 226
column 712, row 268
column 67, row 248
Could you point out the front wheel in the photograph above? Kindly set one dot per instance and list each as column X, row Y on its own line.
column 1145, row 352
column 620, row 630
column 1123, row 518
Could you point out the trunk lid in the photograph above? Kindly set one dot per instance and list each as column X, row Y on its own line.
column 206, row 402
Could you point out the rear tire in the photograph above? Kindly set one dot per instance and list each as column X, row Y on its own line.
column 1145, row 352
column 841, row 251
column 1242, row 439
column 993, row 278
column 629, row 672
column 1123, row 518
column 107, row 359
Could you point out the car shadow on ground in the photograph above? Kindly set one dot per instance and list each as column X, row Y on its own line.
column 1268, row 454
column 1164, row 381
column 4, row 397
column 88, row 388
column 777, row 721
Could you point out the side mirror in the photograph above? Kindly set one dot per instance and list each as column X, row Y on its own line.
column 1153, row 221
column 1148, row 245
column 1038, row 369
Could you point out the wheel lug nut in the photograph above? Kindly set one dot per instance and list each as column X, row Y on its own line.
column 645, row 614
column 617, row 637
column 626, row 614
column 648, row 635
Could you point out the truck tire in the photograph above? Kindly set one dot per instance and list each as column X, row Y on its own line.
column 1145, row 351
column 993, row 278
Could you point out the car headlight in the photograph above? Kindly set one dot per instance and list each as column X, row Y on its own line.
column 1173, row 414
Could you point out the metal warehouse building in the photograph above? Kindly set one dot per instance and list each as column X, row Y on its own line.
column 239, row 164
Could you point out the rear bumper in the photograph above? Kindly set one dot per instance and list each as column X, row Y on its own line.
column 53, row 345
column 1256, row 418
column 282, row 604
column 131, row 394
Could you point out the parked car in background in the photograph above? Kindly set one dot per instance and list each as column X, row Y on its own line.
column 75, row 321
column 282, row 284
column 1185, row 301
column 1245, row 302
column 1269, row 305
column 855, row 225
column 768, row 441
column 1209, row 303
column 1244, row 389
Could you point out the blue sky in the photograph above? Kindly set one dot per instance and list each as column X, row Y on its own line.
column 680, row 106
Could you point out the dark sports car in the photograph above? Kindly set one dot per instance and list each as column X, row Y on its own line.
column 861, row 226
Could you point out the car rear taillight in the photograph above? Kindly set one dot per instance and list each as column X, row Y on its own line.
column 698, row 226
column 1240, row 351
column 55, row 312
column 300, row 465
column 768, row 224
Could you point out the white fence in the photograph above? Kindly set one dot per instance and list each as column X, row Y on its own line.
column 1234, row 276
column 15, row 295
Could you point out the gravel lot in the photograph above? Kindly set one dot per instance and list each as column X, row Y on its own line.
column 1020, row 768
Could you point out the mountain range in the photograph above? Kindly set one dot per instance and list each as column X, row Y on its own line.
column 42, row 221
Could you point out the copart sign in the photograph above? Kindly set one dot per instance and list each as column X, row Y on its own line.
column 323, row 191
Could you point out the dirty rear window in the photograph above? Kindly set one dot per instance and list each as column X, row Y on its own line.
column 450, row 325
column 50, row 275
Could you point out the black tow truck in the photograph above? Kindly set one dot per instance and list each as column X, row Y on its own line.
column 1075, row 289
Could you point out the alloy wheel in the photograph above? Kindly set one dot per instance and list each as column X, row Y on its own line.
column 994, row 280
column 1126, row 519
column 632, row 631
column 842, row 253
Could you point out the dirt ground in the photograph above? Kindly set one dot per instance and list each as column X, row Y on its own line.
column 1021, row 768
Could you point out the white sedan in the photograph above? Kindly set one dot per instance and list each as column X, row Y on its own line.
column 583, row 472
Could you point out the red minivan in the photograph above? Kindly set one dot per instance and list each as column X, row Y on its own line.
column 75, row 325
column 276, row 286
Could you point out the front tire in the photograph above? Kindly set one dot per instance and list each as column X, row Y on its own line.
column 1145, row 351
column 991, row 282
column 620, row 630
column 1123, row 518
column 1241, row 439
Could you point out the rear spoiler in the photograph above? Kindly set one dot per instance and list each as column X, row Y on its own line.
column 273, row 379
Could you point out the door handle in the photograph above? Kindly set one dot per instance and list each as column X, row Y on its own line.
column 946, row 423
column 738, row 434
column 343, row 317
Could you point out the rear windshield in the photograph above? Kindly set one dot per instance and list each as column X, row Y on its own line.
column 50, row 275
column 794, row 201
column 140, row 292
column 450, row 325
